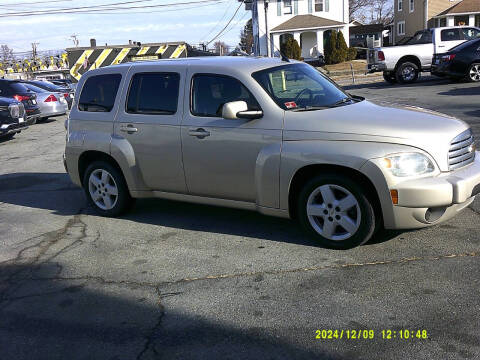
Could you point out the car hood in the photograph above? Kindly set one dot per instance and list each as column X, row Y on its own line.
column 378, row 122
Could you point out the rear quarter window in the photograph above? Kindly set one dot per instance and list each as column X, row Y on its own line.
column 99, row 93
column 450, row 35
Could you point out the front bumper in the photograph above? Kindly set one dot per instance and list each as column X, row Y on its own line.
column 430, row 200
column 12, row 128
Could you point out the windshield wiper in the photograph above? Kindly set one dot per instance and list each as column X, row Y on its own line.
column 310, row 108
column 341, row 102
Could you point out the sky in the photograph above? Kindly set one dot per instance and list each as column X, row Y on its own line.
column 191, row 23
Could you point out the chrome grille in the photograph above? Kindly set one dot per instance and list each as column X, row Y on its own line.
column 462, row 150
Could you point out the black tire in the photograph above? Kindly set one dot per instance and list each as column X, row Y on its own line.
column 123, row 202
column 389, row 77
column 7, row 137
column 404, row 69
column 368, row 222
column 475, row 76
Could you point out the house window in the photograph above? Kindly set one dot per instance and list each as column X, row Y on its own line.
column 412, row 5
column 319, row 5
column 477, row 20
column 442, row 22
column 401, row 28
column 287, row 6
column 400, row 5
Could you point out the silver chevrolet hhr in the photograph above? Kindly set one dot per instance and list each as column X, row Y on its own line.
column 268, row 135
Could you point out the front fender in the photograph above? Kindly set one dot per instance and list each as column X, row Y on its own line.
column 348, row 154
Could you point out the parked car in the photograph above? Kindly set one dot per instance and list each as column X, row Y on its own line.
column 51, row 103
column 463, row 61
column 404, row 63
column 12, row 117
column 268, row 135
column 68, row 93
column 67, row 83
column 15, row 89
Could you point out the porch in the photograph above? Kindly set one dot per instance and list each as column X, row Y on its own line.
column 310, row 32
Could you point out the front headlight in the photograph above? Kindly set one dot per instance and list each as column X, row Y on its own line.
column 408, row 164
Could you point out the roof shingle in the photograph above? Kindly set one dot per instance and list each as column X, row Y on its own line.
column 466, row 6
column 305, row 22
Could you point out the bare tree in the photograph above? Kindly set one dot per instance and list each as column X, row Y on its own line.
column 382, row 12
column 6, row 53
column 220, row 47
column 357, row 8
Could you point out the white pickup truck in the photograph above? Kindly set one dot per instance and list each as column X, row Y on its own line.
column 404, row 63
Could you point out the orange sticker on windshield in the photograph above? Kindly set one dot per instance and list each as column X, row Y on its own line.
column 290, row 105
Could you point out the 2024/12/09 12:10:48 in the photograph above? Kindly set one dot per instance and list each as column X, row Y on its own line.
column 353, row 334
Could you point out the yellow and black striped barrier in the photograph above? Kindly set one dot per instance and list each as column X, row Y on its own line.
column 82, row 60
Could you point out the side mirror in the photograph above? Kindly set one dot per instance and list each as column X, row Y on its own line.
column 239, row 110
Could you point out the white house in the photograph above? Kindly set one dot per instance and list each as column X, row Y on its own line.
column 308, row 21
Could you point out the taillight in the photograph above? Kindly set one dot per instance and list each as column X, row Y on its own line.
column 448, row 57
column 21, row 97
column 381, row 56
column 65, row 95
column 51, row 98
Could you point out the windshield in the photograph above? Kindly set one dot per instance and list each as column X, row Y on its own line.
column 297, row 86
column 465, row 44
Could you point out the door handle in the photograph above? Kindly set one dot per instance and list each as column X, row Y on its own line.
column 199, row 133
column 129, row 129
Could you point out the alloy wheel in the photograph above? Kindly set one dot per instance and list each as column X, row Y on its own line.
column 103, row 189
column 408, row 73
column 333, row 212
column 474, row 72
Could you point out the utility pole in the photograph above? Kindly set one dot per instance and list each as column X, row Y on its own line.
column 34, row 50
column 75, row 40
column 267, row 35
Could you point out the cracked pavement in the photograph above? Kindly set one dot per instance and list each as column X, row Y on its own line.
column 183, row 281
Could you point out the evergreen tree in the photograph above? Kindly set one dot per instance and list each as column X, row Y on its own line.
column 342, row 48
column 291, row 49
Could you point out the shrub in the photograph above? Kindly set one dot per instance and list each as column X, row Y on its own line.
column 352, row 53
column 342, row 49
column 291, row 49
column 330, row 48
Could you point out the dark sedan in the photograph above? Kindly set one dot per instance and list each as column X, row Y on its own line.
column 462, row 61
column 18, row 91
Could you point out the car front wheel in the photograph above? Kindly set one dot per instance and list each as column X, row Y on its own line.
column 106, row 189
column 336, row 212
column 474, row 72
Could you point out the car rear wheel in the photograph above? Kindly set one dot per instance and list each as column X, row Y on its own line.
column 106, row 189
column 389, row 77
column 407, row 73
column 7, row 137
column 335, row 211
column 474, row 72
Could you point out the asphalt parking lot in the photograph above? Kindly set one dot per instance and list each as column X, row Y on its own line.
column 181, row 281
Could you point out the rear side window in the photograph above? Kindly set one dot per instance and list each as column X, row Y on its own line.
column 470, row 33
column 450, row 35
column 211, row 92
column 153, row 93
column 99, row 93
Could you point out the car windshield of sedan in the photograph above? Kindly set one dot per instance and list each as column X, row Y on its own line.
column 300, row 87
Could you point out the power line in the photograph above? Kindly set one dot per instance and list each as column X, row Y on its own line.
column 104, row 7
column 32, row 3
column 218, row 23
column 228, row 23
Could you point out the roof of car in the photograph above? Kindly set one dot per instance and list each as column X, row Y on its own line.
column 246, row 63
